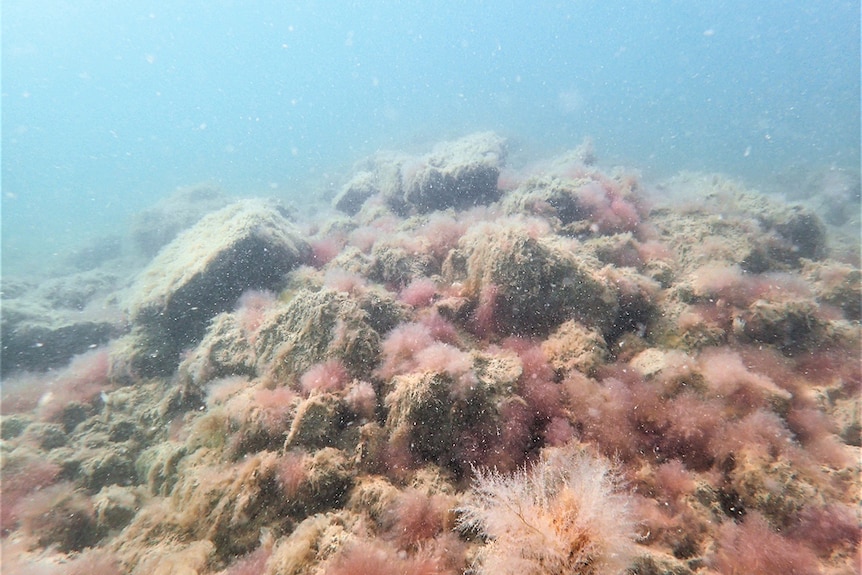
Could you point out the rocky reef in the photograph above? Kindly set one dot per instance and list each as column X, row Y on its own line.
column 456, row 367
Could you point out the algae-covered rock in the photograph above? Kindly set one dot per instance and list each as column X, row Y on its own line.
column 67, row 521
column 313, row 327
column 317, row 423
column 115, row 506
column 792, row 326
column 394, row 265
column 573, row 347
column 433, row 413
column 800, row 231
column 247, row 245
column 335, row 421
column 224, row 351
column 227, row 504
column 774, row 487
column 528, row 285
column 734, row 225
column 154, row 227
column 361, row 186
column 459, row 174
column 372, row 496
column 12, row 426
column 304, row 547
column 77, row 290
column 327, row 483
column 169, row 557
column 38, row 337
column 836, row 284
column 420, row 414
column 107, row 466
column 580, row 201
column 156, row 467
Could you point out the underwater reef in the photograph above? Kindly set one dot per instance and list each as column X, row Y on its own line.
column 454, row 366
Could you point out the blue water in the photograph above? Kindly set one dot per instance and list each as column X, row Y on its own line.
column 109, row 106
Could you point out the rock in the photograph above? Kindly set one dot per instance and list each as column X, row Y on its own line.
column 420, row 414
column 115, row 507
column 168, row 556
column 802, row 233
column 304, row 546
column 616, row 249
column 394, row 265
column 774, row 487
column 792, row 326
column 13, row 287
column 384, row 313
column 836, row 284
column 226, row 504
column 636, row 296
column 36, row 337
column 586, row 204
column 833, row 192
column 372, row 496
column 13, row 425
column 107, row 467
column 247, row 245
column 460, row 174
column 433, row 413
column 75, row 291
column 95, row 252
column 650, row 362
column 654, row 563
column 43, row 326
column 314, row 327
column 736, row 226
column 157, row 466
column 361, row 186
column 155, row 227
column 317, row 423
column 528, row 285
column 573, row 347
column 51, row 436
column 68, row 522
column 224, row 351
column 329, row 478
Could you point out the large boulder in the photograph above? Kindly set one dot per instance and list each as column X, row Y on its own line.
column 728, row 224
column 43, row 326
column 247, row 245
column 153, row 228
column 459, row 174
column 37, row 337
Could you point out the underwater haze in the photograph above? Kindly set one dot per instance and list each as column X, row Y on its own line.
column 109, row 106
column 452, row 287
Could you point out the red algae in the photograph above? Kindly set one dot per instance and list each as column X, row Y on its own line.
column 415, row 518
column 752, row 547
column 330, row 375
column 419, row 293
column 252, row 308
column 324, row 249
column 23, row 475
